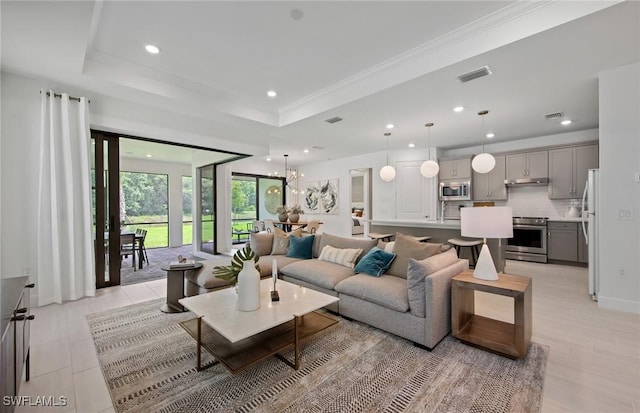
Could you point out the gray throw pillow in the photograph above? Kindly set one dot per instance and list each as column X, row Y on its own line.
column 416, row 273
column 261, row 243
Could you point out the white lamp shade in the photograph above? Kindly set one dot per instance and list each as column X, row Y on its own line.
column 483, row 163
column 429, row 169
column 388, row 173
column 486, row 222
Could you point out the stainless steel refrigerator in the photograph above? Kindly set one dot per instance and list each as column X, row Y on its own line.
column 590, row 228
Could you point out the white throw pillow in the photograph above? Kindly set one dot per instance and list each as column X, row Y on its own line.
column 342, row 256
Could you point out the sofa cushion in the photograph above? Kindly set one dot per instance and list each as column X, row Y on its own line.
column 407, row 247
column 301, row 247
column 261, row 243
column 266, row 261
column 321, row 273
column 281, row 241
column 342, row 242
column 387, row 290
column 341, row 256
column 375, row 262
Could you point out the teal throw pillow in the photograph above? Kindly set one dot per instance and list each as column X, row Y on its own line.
column 301, row 247
column 376, row 262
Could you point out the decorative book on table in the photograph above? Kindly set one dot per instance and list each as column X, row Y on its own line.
column 182, row 264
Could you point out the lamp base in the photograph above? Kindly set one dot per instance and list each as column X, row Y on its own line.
column 485, row 269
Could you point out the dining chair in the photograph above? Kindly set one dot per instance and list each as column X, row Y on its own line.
column 257, row 226
column 127, row 246
column 268, row 225
column 143, row 247
column 312, row 227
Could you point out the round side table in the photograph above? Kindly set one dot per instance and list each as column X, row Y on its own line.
column 175, row 287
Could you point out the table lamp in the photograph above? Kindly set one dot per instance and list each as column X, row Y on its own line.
column 486, row 222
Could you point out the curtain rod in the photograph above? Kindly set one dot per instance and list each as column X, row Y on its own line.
column 59, row 95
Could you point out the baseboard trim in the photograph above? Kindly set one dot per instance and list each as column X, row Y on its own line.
column 627, row 306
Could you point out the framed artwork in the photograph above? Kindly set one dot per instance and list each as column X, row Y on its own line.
column 311, row 203
column 329, row 197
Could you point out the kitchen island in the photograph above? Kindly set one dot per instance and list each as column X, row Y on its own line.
column 440, row 231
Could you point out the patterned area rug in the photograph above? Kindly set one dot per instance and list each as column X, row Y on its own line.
column 148, row 361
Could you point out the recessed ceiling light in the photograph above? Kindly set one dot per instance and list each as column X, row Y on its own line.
column 390, row 126
column 306, row 150
column 566, row 122
column 268, row 159
column 490, row 135
column 412, row 145
column 458, row 109
column 272, row 93
column 152, row 49
column 149, row 155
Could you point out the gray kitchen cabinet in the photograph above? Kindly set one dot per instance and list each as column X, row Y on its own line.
column 568, row 170
column 455, row 169
column 527, row 165
column 562, row 241
column 583, row 248
column 490, row 186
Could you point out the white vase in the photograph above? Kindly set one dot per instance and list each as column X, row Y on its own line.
column 248, row 287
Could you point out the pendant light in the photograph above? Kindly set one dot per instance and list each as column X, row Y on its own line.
column 429, row 168
column 483, row 162
column 387, row 172
column 290, row 176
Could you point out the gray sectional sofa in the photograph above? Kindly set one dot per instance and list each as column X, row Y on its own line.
column 412, row 299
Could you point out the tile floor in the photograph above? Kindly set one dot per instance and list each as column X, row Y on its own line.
column 594, row 362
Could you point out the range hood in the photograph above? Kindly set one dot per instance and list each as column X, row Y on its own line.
column 526, row 181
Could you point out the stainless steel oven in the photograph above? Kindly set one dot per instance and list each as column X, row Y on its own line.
column 529, row 242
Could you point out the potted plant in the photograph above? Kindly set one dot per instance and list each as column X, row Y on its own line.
column 230, row 272
column 283, row 213
column 294, row 214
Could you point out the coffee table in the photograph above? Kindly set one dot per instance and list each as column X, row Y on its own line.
column 239, row 339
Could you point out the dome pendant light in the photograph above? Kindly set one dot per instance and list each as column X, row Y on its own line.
column 429, row 168
column 484, row 162
column 387, row 172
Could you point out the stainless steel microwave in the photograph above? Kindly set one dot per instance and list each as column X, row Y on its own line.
column 455, row 191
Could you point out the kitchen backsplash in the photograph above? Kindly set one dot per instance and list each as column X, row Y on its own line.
column 526, row 201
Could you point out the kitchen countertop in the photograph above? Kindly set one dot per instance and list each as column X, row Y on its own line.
column 447, row 224
column 566, row 219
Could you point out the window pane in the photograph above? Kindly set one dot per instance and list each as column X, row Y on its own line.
column 187, row 213
column 144, row 205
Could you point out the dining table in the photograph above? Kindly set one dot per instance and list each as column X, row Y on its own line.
column 288, row 226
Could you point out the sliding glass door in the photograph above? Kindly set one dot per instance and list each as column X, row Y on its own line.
column 206, row 179
column 106, row 207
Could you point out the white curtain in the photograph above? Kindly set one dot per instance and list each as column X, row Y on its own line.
column 65, row 235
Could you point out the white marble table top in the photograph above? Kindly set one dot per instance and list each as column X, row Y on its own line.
column 218, row 308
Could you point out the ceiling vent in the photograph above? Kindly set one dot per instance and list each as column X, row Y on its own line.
column 474, row 74
column 334, row 119
column 317, row 147
column 554, row 115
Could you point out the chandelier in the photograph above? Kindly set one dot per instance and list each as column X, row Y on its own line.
column 290, row 176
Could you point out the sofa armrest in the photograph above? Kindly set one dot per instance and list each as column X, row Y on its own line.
column 438, row 301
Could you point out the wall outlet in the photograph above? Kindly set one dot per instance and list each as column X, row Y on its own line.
column 625, row 215
column 622, row 273
column 636, row 177
column 26, row 271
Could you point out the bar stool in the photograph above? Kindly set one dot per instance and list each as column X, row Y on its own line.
column 421, row 238
column 380, row 237
column 472, row 244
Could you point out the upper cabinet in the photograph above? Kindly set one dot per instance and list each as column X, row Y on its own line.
column 455, row 169
column 527, row 165
column 568, row 170
column 490, row 186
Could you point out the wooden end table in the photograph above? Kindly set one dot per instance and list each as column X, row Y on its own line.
column 511, row 340
column 175, row 287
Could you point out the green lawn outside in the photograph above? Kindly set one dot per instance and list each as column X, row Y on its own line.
column 158, row 234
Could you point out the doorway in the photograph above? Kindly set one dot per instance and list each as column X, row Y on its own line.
column 360, row 200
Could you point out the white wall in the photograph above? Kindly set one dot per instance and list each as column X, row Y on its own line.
column 175, row 172
column 619, row 92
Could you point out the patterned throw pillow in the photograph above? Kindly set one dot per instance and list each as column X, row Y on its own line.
column 343, row 256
